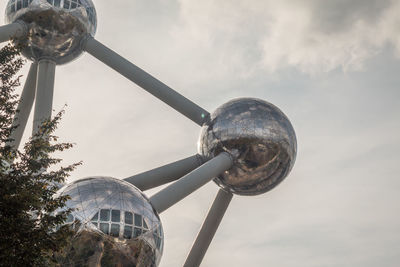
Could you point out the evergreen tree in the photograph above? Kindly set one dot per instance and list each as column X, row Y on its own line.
column 31, row 228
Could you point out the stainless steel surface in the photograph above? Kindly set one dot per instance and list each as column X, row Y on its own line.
column 55, row 27
column 190, row 182
column 208, row 229
column 260, row 138
column 24, row 106
column 146, row 81
column 12, row 30
column 165, row 174
column 44, row 93
column 115, row 225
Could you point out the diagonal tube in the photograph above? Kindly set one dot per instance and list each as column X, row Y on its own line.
column 191, row 182
column 208, row 229
column 13, row 30
column 44, row 93
column 24, row 106
column 165, row 174
column 146, row 81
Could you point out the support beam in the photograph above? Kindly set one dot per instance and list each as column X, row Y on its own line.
column 24, row 106
column 191, row 182
column 208, row 229
column 165, row 174
column 44, row 93
column 13, row 30
column 146, row 81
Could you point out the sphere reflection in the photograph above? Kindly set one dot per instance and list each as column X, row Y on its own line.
column 260, row 138
column 115, row 225
column 55, row 27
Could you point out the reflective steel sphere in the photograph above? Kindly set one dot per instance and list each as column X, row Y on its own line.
column 55, row 27
column 260, row 138
column 115, row 225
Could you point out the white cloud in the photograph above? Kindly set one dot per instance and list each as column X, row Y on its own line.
column 314, row 36
column 342, row 193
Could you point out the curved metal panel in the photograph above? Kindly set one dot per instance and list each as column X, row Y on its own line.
column 114, row 222
column 260, row 138
column 55, row 27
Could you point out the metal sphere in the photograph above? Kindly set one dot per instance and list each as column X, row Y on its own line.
column 115, row 225
column 55, row 27
column 260, row 138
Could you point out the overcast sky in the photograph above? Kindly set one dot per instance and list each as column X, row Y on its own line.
column 331, row 65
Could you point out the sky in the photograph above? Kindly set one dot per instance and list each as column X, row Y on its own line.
column 331, row 66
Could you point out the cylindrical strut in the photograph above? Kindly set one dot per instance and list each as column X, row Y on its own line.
column 208, row 229
column 13, row 30
column 146, row 81
column 165, row 174
column 44, row 93
column 24, row 106
column 191, row 182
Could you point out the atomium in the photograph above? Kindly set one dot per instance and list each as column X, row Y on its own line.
column 114, row 224
column 260, row 138
column 248, row 146
column 55, row 28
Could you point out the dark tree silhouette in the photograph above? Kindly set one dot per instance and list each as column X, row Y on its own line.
column 31, row 214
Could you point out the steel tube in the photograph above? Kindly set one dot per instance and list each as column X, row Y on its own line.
column 208, row 229
column 165, row 174
column 13, row 30
column 191, row 182
column 146, row 81
column 24, row 106
column 44, row 93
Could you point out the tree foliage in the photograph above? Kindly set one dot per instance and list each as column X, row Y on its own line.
column 31, row 214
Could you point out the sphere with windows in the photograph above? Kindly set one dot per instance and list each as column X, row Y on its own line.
column 114, row 223
column 55, row 28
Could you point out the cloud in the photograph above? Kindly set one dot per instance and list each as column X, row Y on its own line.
column 313, row 36
column 339, row 199
column 338, row 15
